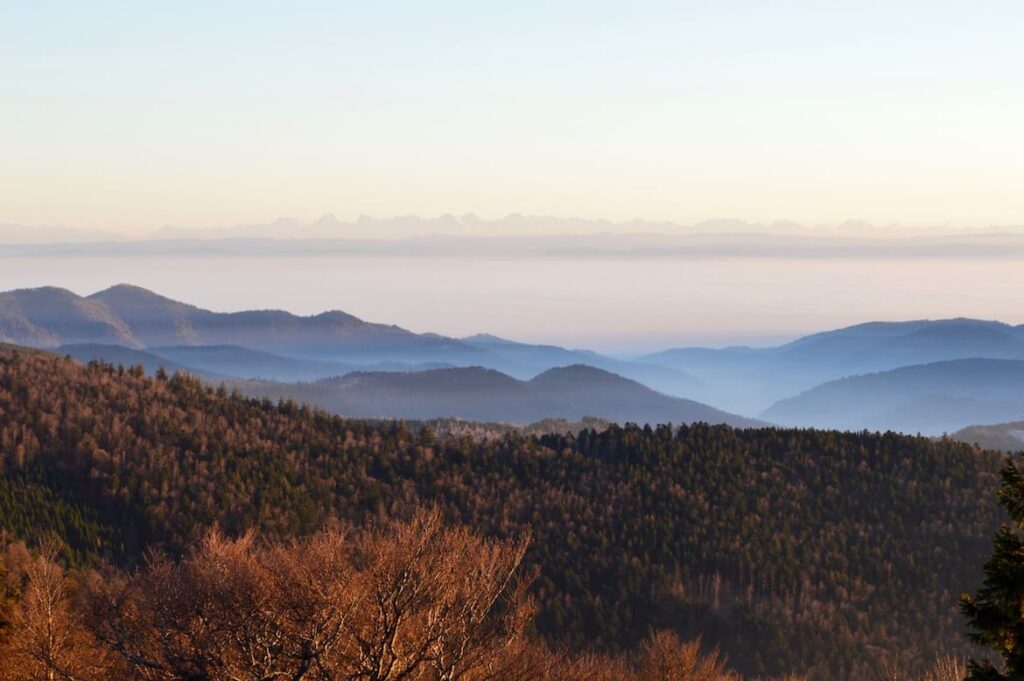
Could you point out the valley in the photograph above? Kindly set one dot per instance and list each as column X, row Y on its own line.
column 927, row 377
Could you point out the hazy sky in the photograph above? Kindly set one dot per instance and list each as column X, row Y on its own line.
column 132, row 115
column 627, row 305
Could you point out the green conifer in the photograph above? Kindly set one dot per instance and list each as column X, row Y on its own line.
column 996, row 614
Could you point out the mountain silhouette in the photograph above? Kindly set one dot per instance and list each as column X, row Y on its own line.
column 934, row 398
column 480, row 394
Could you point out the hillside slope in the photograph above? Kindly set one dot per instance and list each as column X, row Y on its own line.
column 127, row 357
column 936, row 398
column 1008, row 437
column 750, row 380
column 135, row 317
column 278, row 345
column 794, row 550
column 525, row 360
column 49, row 316
column 159, row 321
column 480, row 394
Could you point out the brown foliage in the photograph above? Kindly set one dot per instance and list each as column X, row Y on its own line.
column 46, row 636
column 663, row 657
column 944, row 668
column 633, row 527
column 439, row 599
column 405, row 601
column 414, row 600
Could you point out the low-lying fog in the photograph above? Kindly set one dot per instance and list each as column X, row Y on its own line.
column 622, row 305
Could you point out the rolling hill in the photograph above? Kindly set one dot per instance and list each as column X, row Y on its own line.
column 241, row 362
column 750, row 380
column 481, row 394
column 278, row 345
column 935, row 398
column 1008, row 437
column 525, row 360
column 48, row 317
column 134, row 317
column 804, row 551
column 159, row 321
column 274, row 346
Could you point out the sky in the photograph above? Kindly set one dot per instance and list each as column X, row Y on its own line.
column 623, row 306
column 128, row 116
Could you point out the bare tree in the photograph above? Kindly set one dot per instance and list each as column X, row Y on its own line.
column 441, row 603
column 593, row 667
column 664, row 657
column 231, row 610
column 313, row 600
column 48, row 637
column 405, row 601
column 414, row 600
column 944, row 668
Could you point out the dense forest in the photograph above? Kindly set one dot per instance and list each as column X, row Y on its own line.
column 415, row 600
column 825, row 553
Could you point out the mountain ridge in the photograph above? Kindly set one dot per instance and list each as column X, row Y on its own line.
column 487, row 395
column 751, row 380
column 297, row 348
column 631, row 526
column 132, row 316
column 135, row 317
column 932, row 398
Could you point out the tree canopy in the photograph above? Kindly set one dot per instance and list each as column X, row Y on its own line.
column 792, row 550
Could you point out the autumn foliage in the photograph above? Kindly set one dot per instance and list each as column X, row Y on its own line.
column 835, row 555
column 416, row 600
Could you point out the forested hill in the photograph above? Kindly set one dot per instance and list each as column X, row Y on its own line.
column 795, row 550
column 479, row 394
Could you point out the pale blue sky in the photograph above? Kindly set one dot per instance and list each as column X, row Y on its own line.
column 132, row 115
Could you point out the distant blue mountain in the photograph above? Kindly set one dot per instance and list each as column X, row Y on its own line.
column 233, row 360
column 525, row 360
column 274, row 345
column 481, row 394
column 935, row 398
column 278, row 345
column 750, row 380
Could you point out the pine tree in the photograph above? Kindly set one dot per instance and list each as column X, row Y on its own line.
column 996, row 614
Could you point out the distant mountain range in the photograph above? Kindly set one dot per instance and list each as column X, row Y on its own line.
column 570, row 393
column 137, row 318
column 936, row 398
column 479, row 394
column 287, row 347
column 524, row 360
column 411, row 226
column 612, row 243
column 919, row 376
column 153, row 320
column 750, row 380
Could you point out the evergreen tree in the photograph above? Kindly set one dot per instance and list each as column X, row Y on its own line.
column 825, row 551
column 996, row 614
